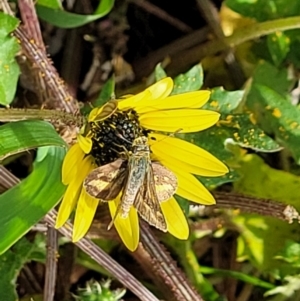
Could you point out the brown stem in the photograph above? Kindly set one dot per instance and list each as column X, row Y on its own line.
column 52, row 116
column 30, row 21
column 145, row 65
column 165, row 268
column 194, row 55
column 255, row 205
column 158, row 12
column 51, row 264
column 59, row 96
column 116, row 270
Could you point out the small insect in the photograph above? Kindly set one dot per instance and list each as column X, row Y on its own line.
column 144, row 184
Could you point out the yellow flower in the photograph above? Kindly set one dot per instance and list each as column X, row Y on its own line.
column 147, row 113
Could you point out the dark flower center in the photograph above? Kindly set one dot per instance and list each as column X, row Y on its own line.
column 112, row 137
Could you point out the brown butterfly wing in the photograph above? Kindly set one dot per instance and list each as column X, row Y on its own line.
column 165, row 182
column 147, row 203
column 106, row 182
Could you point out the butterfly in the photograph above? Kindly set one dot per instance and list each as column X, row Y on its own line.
column 143, row 183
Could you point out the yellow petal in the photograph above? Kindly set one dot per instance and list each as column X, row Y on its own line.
column 159, row 90
column 93, row 114
column 73, row 191
column 162, row 88
column 192, row 189
column 186, row 156
column 85, row 212
column 175, row 218
column 69, row 167
column 68, row 203
column 101, row 113
column 128, row 228
column 185, row 120
column 132, row 101
column 190, row 100
column 85, row 143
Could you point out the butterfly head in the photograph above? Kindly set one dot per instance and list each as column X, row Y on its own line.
column 140, row 144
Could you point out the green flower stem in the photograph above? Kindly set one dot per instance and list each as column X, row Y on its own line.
column 52, row 116
column 247, row 33
column 237, row 275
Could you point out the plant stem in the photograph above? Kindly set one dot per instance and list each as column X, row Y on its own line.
column 53, row 116
column 104, row 260
column 166, row 269
column 251, row 32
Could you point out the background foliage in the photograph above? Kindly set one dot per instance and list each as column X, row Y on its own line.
column 241, row 249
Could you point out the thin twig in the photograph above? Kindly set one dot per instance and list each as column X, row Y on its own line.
column 145, row 65
column 165, row 268
column 161, row 14
column 251, row 32
column 7, row 179
column 51, row 264
column 192, row 56
column 32, row 280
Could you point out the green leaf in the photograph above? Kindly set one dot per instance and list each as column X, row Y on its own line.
column 233, row 129
column 223, row 101
column 189, row 81
column 264, row 10
column 257, row 240
column 236, row 129
column 26, row 203
column 63, row 19
column 9, row 69
column 279, row 46
column 106, row 94
column 290, row 253
column 293, row 55
column 23, row 135
column 11, row 262
column 212, row 183
column 268, row 75
column 236, row 275
column 246, row 134
column 50, row 3
column 274, row 111
column 160, row 73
